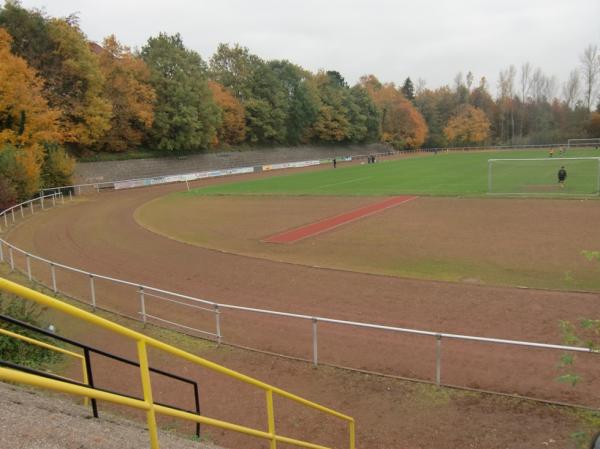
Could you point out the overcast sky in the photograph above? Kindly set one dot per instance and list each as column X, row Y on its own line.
column 425, row 39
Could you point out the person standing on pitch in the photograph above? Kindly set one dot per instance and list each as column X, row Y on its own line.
column 334, row 163
column 562, row 176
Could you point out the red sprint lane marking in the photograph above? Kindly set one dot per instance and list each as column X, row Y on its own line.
column 333, row 222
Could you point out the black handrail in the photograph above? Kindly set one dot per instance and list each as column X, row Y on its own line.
column 88, row 366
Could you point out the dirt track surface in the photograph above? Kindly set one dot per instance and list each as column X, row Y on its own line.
column 99, row 234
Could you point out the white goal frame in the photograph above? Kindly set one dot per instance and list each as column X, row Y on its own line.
column 591, row 140
column 491, row 162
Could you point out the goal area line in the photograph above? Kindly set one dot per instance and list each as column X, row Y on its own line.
column 549, row 159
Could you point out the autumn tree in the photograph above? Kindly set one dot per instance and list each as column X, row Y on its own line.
column 468, row 126
column 593, row 125
column 185, row 116
column 127, row 88
column 232, row 126
column 26, row 121
column 401, row 124
column 73, row 83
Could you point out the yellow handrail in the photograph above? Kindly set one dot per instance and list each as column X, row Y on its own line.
column 148, row 404
column 54, row 348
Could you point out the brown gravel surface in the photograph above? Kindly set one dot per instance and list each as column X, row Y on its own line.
column 31, row 419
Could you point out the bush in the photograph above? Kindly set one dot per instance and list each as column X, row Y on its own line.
column 8, row 194
column 15, row 350
column 58, row 167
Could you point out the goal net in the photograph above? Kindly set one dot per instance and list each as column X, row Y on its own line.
column 593, row 142
column 540, row 176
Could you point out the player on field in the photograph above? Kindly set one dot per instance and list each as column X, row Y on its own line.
column 562, row 176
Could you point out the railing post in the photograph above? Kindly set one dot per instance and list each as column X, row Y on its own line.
column 12, row 259
column 197, row 407
column 70, row 195
column 22, row 214
column 13, row 215
column 93, row 292
column 62, row 198
column 42, row 201
column 438, row 360
column 271, row 419
column 5, row 220
column 314, row 342
column 28, row 261
column 97, row 189
column 147, row 389
column 31, row 207
column 187, row 185
column 352, row 428
column 218, row 324
column 54, row 199
column 1, row 252
column 143, row 304
column 53, row 274
column 90, row 378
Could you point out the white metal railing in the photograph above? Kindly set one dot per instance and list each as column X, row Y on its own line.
column 8, row 252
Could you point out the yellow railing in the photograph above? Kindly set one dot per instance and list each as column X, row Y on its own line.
column 147, row 403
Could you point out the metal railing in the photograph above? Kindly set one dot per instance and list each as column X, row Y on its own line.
column 86, row 361
column 148, row 404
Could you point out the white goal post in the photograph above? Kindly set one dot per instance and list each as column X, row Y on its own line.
column 539, row 176
column 594, row 141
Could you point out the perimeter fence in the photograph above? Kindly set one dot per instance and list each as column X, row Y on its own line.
column 492, row 364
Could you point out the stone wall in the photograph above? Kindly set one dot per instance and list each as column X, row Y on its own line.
column 90, row 172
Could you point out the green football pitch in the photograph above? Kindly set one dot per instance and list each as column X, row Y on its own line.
column 452, row 174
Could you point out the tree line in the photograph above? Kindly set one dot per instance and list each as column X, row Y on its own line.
column 63, row 96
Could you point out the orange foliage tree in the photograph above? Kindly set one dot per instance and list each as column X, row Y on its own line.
column 75, row 86
column 402, row 125
column 127, row 87
column 469, row 125
column 232, row 129
column 26, row 121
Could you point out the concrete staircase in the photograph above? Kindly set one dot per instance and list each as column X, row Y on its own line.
column 90, row 172
column 31, row 419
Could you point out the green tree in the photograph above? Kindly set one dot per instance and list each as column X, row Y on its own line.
column 408, row 89
column 332, row 123
column 301, row 100
column 185, row 116
column 364, row 116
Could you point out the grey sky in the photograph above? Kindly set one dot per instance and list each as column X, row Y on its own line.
column 425, row 39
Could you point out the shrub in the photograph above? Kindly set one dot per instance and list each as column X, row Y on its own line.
column 15, row 350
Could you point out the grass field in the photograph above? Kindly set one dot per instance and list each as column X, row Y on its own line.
column 447, row 174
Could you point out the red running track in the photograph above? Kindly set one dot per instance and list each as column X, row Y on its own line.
column 333, row 222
